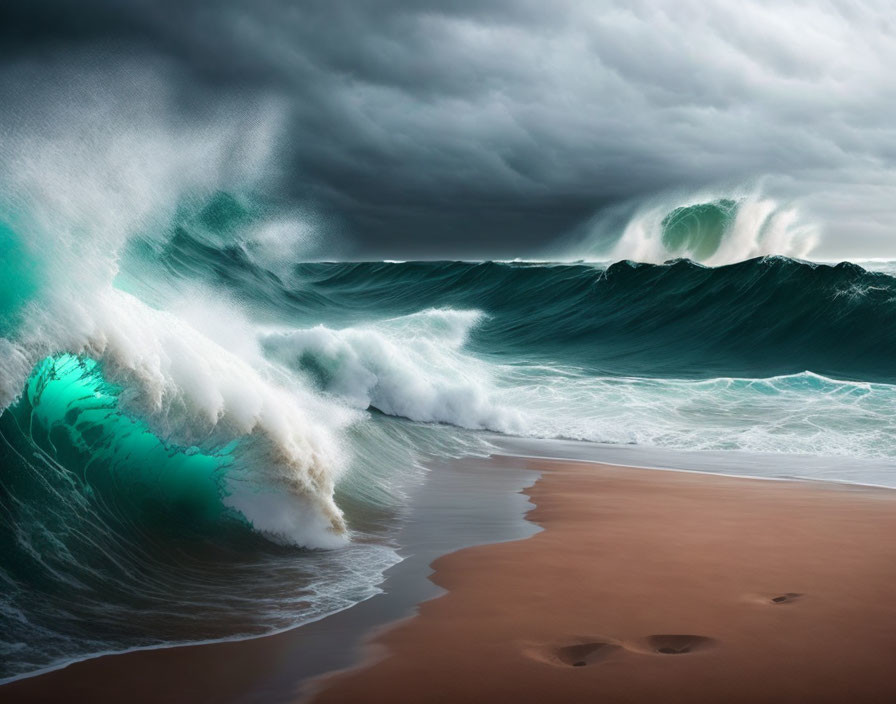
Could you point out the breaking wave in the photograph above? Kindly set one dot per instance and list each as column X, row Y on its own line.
column 714, row 229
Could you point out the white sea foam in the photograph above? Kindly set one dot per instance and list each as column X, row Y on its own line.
column 799, row 413
column 411, row 366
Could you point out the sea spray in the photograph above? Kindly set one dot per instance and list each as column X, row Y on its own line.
column 711, row 227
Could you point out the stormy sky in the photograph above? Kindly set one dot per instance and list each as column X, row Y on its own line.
column 498, row 127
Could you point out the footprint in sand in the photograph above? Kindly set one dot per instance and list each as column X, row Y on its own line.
column 785, row 598
column 677, row 644
column 586, row 652
column 578, row 654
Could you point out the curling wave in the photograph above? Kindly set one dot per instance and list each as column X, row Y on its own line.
column 711, row 228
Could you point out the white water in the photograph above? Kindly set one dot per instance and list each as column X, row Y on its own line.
column 418, row 367
column 411, row 366
column 762, row 226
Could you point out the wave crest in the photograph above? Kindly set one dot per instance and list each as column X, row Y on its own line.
column 193, row 392
column 710, row 228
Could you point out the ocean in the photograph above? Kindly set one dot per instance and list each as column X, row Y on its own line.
column 204, row 436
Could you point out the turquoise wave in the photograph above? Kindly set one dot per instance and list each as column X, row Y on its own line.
column 113, row 538
column 697, row 230
column 18, row 271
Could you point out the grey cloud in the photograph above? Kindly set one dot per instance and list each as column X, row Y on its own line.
column 495, row 127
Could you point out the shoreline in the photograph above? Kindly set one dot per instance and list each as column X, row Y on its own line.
column 275, row 667
column 648, row 585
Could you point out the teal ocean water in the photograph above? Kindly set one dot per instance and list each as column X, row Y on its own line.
column 204, row 436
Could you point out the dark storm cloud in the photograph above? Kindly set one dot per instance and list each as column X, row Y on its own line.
column 493, row 127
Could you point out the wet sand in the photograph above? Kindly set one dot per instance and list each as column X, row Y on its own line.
column 657, row 586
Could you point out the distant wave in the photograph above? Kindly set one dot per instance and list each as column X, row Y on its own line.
column 711, row 228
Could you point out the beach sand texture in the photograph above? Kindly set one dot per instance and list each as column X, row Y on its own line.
column 657, row 586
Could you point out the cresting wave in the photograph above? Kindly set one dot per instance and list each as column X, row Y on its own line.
column 194, row 392
column 711, row 228
column 73, row 209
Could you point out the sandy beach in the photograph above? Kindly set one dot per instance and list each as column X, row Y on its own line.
column 657, row 586
column 643, row 585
